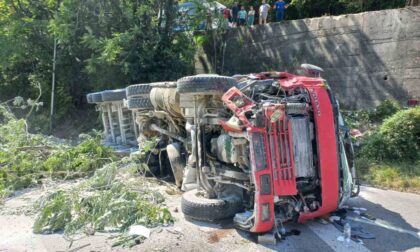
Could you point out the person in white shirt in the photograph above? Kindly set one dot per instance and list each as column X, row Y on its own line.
column 264, row 8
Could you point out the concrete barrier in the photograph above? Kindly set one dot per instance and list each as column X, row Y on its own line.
column 367, row 57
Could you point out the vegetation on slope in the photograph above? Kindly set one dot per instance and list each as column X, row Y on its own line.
column 100, row 45
column 388, row 153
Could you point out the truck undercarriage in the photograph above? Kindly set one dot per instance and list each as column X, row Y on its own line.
column 262, row 149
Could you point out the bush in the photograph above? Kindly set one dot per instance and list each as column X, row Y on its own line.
column 373, row 148
column 356, row 119
column 401, row 134
column 398, row 138
column 363, row 165
column 386, row 109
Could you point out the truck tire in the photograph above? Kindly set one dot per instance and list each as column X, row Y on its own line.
column 142, row 90
column 139, row 103
column 96, row 97
column 205, row 84
column 113, row 95
column 199, row 208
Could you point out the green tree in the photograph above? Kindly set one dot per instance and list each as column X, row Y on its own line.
column 25, row 47
column 101, row 45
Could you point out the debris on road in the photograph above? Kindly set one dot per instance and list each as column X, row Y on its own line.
column 105, row 202
column 217, row 235
column 29, row 159
column 348, row 227
column 267, row 239
column 139, row 230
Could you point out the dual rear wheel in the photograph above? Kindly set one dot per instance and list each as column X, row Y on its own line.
column 194, row 204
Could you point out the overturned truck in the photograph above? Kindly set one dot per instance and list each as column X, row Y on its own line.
column 262, row 149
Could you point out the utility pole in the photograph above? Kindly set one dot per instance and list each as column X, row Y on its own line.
column 53, row 85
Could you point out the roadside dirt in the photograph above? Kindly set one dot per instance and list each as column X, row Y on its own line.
column 398, row 210
column 17, row 217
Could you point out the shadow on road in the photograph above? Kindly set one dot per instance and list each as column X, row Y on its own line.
column 388, row 238
column 392, row 231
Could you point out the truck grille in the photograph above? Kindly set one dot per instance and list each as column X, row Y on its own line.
column 281, row 150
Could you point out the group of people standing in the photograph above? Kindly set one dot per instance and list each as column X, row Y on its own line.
column 239, row 16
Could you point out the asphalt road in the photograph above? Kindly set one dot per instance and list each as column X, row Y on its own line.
column 396, row 228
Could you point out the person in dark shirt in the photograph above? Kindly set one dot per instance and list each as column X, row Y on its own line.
column 234, row 14
column 280, row 7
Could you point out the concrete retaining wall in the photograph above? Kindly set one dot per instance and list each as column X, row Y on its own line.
column 367, row 57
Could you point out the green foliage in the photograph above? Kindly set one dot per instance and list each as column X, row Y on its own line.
column 119, row 207
column 369, row 119
column 56, row 213
column 317, row 8
column 386, row 109
column 20, row 154
column 25, row 48
column 103, row 201
column 89, row 207
column 356, row 119
column 401, row 134
column 26, row 159
column 373, row 147
column 389, row 153
column 85, row 157
column 110, row 44
column 124, row 42
column 104, row 177
column 101, row 45
column 395, row 175
column 398, row 138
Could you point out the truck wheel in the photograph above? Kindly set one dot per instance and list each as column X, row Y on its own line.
column 197, row 207
column 113, row 95
column 205, row 84
column 142, row 90
column 139, row 103
column 96, row 97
